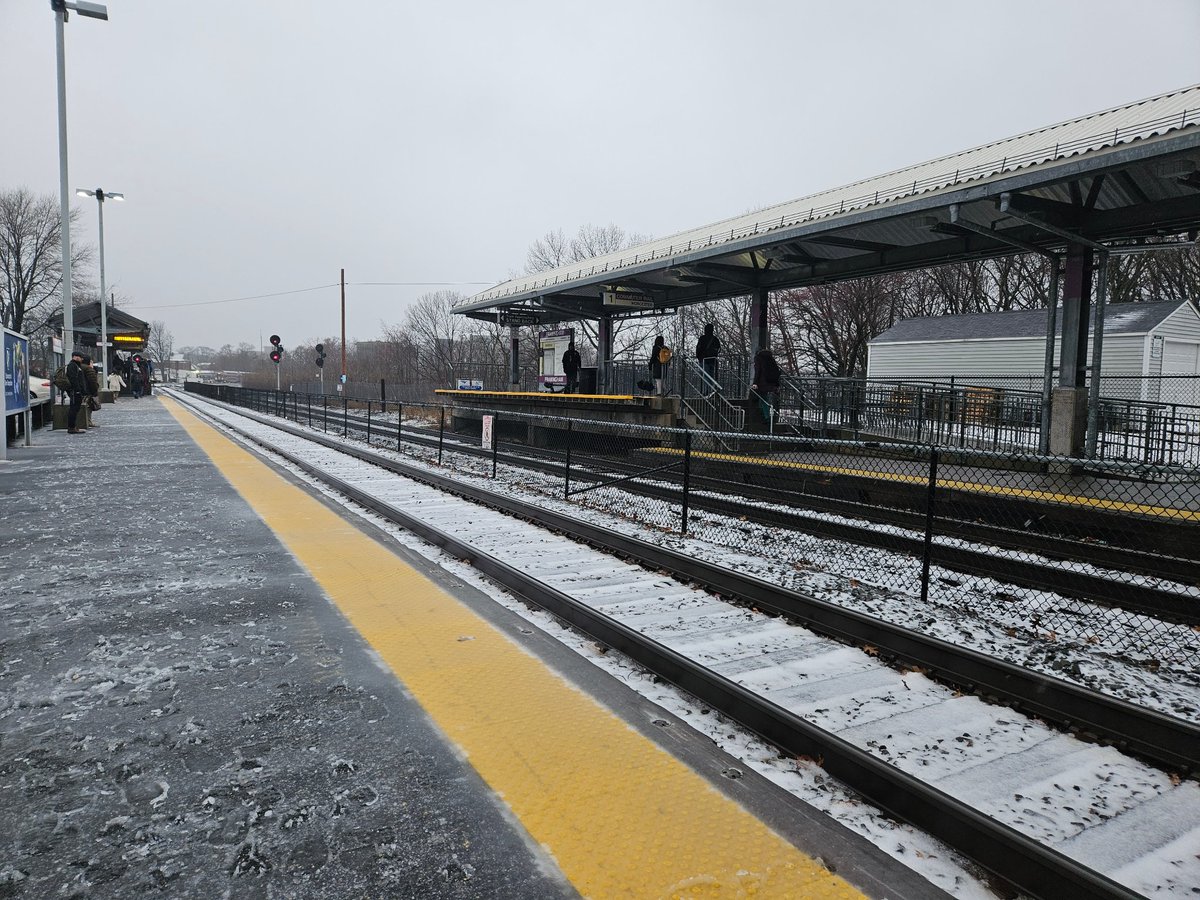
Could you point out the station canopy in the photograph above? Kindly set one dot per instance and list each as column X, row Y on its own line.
column 1126, row 174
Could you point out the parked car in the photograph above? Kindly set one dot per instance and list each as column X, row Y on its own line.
column 39, row 390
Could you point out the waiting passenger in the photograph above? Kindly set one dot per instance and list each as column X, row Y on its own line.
column 766, row 384
column 660, row 359
column 570, row 364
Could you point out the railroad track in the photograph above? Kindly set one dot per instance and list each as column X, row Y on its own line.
column 756, row 503
column 991, row 803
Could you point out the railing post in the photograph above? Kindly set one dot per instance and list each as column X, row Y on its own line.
column 368, row 422
column 495, row 442
column 929, row 504
column 308, row 406
column 399, row 425
column 567, row 469
column 441, row 432
column 687, row 474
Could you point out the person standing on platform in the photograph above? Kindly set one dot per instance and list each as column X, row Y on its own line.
column 78, row 390
column 708, row 348
column 137, row 381
column 766, row 383
column 115, row 383
column 92, row 378
column 660, row 360
column 570, row 364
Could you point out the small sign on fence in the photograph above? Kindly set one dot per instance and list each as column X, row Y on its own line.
column 469, row 384
column 487, row 431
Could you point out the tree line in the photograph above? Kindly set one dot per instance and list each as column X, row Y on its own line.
column 819, row 329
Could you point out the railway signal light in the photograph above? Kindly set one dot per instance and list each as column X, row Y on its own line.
column 276, row 349
column 320, row 355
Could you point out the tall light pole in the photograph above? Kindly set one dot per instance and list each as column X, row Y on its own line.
column 91, row 11
column 101, row 196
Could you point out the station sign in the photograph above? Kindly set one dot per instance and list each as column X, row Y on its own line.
column 626, row 299
column 519, row 317
column 469, row 384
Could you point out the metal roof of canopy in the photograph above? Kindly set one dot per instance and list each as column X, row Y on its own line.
column 1128, row 172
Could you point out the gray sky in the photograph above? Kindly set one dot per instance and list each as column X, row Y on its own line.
column 264, row 145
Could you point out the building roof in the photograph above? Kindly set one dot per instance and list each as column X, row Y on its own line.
column 1119, row 318
column 86, row 319
column 1123, row 173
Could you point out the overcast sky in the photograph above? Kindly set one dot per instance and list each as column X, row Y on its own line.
column 264, row 145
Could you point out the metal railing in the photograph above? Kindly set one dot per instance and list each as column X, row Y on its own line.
column 1122, row 535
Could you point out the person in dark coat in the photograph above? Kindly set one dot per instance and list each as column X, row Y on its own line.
column 660, row 358
column 766, row 383
column 570, row 364
column 92, row 377
column 137, row 381
column 708, row 348
column 78, row 391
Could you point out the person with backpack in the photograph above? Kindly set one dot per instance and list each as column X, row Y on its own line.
column 137, row 381
column 77, row 388
column 766, row 383
column 92, row 378
column 660, row 359
column 708, row 348
column 570, row 364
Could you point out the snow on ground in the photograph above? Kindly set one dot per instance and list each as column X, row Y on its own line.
column 804, row 563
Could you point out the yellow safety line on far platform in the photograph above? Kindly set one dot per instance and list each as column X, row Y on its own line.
column 621, row 817
column 1162, row 512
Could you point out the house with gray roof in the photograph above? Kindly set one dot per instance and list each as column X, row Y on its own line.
column 1140, row 339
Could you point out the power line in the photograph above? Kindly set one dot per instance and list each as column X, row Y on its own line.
column 319, row 287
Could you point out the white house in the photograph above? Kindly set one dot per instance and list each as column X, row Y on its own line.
column 1140, row 339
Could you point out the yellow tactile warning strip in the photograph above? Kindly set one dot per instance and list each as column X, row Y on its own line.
column 621, row 817
column 1162, row 512
column 541, row 395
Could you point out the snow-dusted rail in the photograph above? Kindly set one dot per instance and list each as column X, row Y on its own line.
column 1041, row 809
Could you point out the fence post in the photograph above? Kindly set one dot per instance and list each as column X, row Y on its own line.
column 929, row 503
column 345, row 416
column 567, row 470
column 441, row 432
column 399, row 425
column 382, row 391
column 687, row 472
column 495, row 442
column 369, row 422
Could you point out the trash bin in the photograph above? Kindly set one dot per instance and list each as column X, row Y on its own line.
column 587, row 379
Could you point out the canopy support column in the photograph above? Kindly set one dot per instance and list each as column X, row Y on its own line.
column 514, row 358
column 604, row 360
column 760, row 338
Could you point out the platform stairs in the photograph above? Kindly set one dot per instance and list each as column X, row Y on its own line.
column 705, row 408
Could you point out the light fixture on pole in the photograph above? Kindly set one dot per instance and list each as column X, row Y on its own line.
column 91, row 11
column 101, row 196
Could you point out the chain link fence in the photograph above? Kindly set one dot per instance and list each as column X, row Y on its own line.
column 1053, row 550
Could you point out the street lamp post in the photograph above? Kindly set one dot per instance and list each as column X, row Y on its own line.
column 101, row 196
column 92, row 11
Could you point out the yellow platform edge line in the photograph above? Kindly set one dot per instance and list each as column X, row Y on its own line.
column 1160, row 512
column 620, row 816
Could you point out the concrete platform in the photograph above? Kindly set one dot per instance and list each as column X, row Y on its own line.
column 213, row 682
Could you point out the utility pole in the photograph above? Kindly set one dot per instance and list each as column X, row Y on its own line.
column 343, row 327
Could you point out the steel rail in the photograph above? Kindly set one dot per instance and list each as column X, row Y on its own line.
column 1165, row 741
column 1006, row 853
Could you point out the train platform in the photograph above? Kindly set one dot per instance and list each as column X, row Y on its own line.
column 215, row 681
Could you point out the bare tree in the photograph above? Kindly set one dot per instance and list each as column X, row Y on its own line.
column 161, row 346
column 31, row 258
column 548, row 252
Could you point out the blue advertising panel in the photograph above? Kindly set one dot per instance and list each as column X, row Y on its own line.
column 16, row 372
